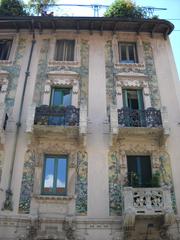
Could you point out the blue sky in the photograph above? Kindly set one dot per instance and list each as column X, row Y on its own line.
column 172, row 13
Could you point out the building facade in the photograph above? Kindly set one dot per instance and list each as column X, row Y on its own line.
column 90, row 129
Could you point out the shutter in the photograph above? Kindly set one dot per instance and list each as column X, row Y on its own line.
column 56, row 97
column 140, row 99
column 125, row 98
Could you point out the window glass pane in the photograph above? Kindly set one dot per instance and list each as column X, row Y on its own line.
column 131, row 53
column 139, row 171
column 132, row 99
column 59, row 50
column 5, row 47
column 70, row 50
column 123, row 53
column 66, row 97
column 61, row 96
column 146, row 173
column 49, row 175
column 127, row 52
column 56, row 97
column 61, row 175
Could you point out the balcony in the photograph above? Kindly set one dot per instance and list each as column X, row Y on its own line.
column 57, row 116
column 66, row 121
column 148, row 122
column 150, row 118
column 147, row 202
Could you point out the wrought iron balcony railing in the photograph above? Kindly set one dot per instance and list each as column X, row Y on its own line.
column 57, row 116
column 139, row 118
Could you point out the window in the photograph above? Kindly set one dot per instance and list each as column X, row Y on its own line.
column 134, row 114
column 127, row 53
column 133, row 99
column 61, row 97
column 55, row 175
column 139, row 171
column 64, row 50
column 5, row 48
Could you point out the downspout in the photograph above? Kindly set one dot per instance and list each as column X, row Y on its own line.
column 8, row 204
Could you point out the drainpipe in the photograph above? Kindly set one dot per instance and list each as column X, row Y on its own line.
column 8, row 204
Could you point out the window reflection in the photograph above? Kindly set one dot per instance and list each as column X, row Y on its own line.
column 61, row 175
column 49, row 175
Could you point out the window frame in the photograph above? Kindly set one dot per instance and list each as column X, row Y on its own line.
column 54, row 193
column 64, row 58
column 135, row 53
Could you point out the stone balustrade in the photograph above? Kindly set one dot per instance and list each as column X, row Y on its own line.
column 147, row 202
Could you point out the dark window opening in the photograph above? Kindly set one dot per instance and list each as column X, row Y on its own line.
column 139, row 171
column 64, row 50
column 5, row 48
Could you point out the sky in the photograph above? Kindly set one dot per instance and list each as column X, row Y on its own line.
column 172, row 14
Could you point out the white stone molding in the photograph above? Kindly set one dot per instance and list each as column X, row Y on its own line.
column 165, row 120
column 2, row 116
column 147, row 202
column 132, row 80
column 83, row 119
column 169, row 217
column 3, row 92
column 114, row 119
column 123, row 166
column 3, row 85
column 30, row 118
column 115, row 49
column 155, row 161
column 62, row 79
column 128, row 211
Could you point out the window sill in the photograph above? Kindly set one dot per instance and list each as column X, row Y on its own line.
column 5, row 62
column 60, row 63
column 131, row 65
column 53, row 198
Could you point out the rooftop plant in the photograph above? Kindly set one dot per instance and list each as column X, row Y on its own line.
column 12, row 8
column 124, row 8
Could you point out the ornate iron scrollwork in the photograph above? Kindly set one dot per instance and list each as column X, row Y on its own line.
column 55, row 115
column 150, row 117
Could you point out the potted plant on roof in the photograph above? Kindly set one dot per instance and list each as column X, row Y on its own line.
column 125, row 9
